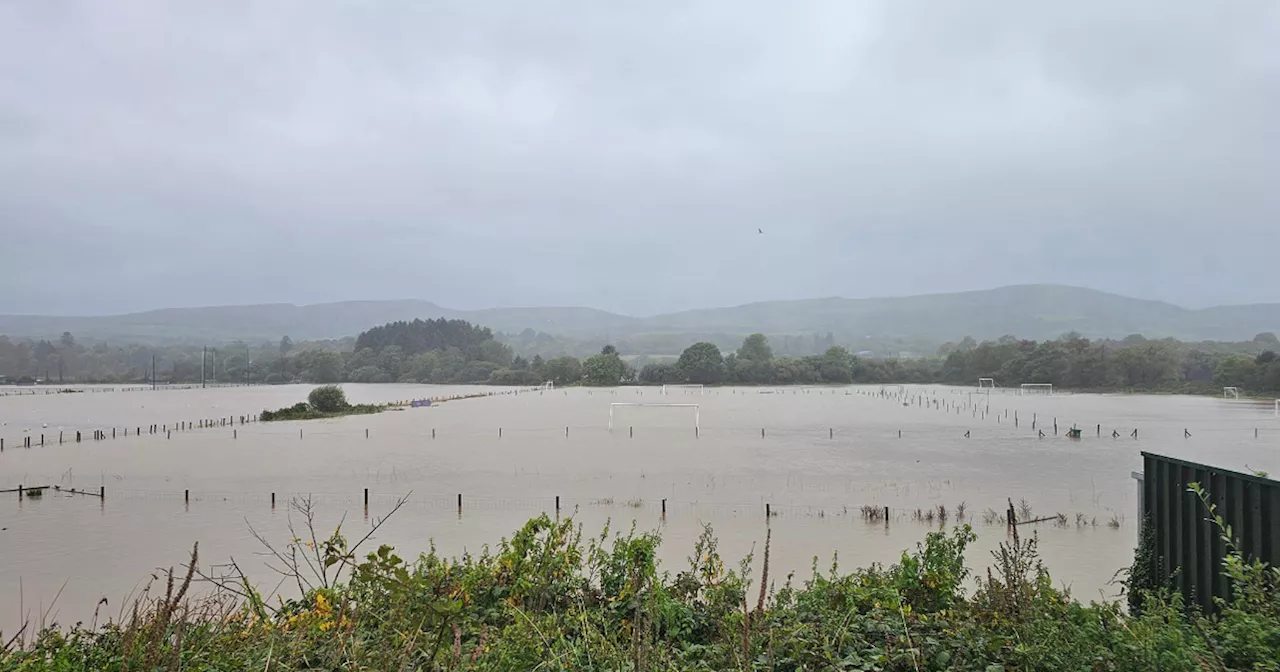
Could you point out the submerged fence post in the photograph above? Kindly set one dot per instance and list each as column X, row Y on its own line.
column 186, row 496
column 366, row 496
column 102, row 492
column 459, row 503
column 767, row 512
column 664, row 507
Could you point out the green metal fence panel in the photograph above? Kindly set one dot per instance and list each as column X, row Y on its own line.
column 1188, row 547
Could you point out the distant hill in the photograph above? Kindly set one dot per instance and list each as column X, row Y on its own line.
column 1028, row 311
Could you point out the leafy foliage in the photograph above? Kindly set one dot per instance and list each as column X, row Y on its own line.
column 551, row 598
column 328, row 399
column 421, row 336
column 702, row 363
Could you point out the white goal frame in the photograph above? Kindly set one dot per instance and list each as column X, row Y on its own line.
column 1231, row 392
column 697, row 411
column 1048, row 387
column 990, row 383
column 1278, row 408
column 702, row 390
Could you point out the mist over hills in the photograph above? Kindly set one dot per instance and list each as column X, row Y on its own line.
column 1028, row 311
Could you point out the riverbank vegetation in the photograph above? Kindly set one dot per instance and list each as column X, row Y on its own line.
column 454, row 351
column 326, row 401
column 552, row 598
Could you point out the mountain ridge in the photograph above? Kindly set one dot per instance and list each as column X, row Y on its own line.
column 1031, row 311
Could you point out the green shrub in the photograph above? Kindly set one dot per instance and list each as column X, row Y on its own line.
column 548, row 598
column 328, row 399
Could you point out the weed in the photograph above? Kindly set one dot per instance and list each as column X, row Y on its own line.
column 1024, row 510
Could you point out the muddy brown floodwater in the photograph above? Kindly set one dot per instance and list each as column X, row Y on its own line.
column 825, row 453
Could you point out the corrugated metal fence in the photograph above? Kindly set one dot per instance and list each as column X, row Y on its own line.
column 1184, row 537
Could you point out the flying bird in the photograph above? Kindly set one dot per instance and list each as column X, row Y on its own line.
column 759, row 230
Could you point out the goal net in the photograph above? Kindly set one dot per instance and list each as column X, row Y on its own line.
column 683, row 389
column 1038, row 388
column 1230, row 393
column 986, row 383
column 662, row 415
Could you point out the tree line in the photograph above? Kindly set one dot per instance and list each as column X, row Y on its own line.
column 455, row 351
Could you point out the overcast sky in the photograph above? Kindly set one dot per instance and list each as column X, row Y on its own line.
column 623, row 155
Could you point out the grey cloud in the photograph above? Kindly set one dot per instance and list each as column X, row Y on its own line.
column 622, row 155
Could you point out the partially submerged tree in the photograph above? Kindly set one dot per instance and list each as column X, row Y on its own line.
column 328, row 399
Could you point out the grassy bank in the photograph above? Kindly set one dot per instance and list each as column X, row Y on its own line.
column 550, row 598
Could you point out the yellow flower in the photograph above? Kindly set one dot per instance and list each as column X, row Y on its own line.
column 322, row 605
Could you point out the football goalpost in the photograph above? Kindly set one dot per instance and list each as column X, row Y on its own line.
column 1231, row 393
column 697, row 411
column 1038, row 388
column 986, row 383
column 670, row 388
column 547, row 386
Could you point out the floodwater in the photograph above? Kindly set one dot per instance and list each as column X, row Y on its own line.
column 825, row 453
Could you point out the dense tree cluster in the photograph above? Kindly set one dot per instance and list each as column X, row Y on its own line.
column 755, row 364
column 1132, row 363
column 421, row 336
column 453, row 351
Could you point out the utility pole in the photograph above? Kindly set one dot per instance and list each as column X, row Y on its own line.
column 204, row 354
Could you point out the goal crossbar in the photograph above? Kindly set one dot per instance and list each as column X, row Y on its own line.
column 697, row 410
column 701, row 390
column 1231, row 392
column 986, row 382
column 1047, row 387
